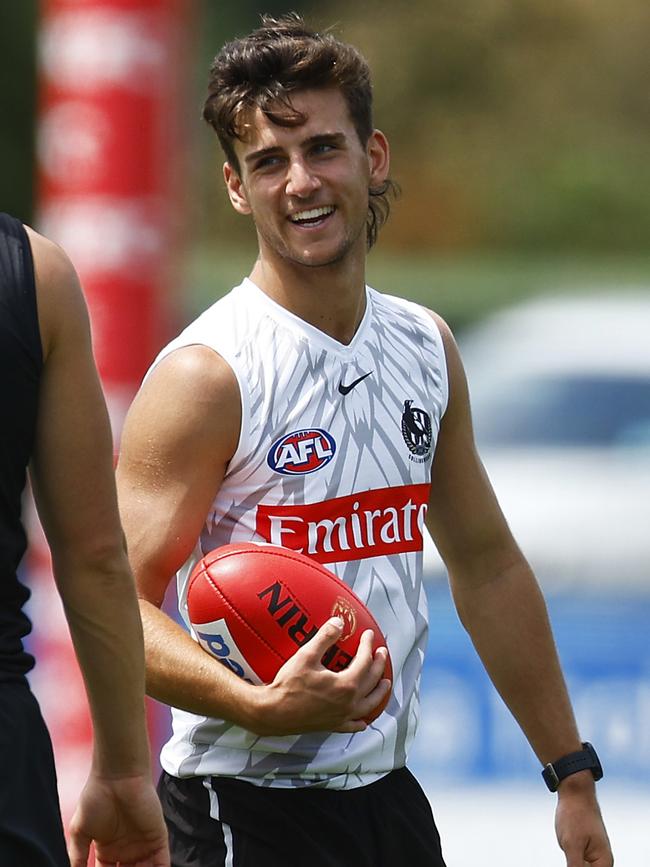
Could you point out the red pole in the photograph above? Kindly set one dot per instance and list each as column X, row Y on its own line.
column 110, row 94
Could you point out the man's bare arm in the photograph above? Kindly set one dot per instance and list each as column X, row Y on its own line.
column 501, row 606
column 74, row 487
column 73, row 482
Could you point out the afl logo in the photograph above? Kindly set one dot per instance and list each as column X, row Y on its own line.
column 416, row 429
column 301, row 452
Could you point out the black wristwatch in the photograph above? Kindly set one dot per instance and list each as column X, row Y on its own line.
column 582, row 760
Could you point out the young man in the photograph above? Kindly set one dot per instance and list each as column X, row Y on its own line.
column 288, row 773
column 55, row 421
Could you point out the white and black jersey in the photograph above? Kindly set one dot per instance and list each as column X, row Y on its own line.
column 334, row 460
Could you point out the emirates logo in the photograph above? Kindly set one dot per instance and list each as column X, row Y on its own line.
column 374, row 523
column 344, row 609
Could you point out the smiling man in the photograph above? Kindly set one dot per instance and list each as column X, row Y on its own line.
column 309, row 410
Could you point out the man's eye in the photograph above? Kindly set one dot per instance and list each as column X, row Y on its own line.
column 322, row 148
column 267, row 162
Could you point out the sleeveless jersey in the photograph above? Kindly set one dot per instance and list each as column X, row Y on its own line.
column 20, row 370
column 334, row 460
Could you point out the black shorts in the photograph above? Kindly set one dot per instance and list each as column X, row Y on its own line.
column 31, row 831
column 385, row 824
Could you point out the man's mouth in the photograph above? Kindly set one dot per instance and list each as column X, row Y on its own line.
column 312, row 216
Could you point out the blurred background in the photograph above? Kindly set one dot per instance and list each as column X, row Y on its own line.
column 519, row 132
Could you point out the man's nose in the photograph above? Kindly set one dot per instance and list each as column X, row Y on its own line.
column 301, row 181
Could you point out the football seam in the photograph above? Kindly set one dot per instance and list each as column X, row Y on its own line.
column 314, row 564
column 338, row 582
column 236, row 613
column 285, row 555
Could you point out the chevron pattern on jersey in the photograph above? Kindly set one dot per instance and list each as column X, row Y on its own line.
column 342, row 477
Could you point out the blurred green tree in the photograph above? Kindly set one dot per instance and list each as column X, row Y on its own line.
column 17, row 74
column 515, row 123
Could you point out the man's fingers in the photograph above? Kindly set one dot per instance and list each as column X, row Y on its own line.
column 365, row 707
column 351, row 727
column 574, row 853
column 375, row 697
column 363, row 658
column 379, row 660
column 371, row 671
column 78, row 850
column 579, row 854
column 327, row 635
column 368, row 665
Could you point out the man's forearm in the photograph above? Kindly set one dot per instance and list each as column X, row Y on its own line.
column 181, row 674
column 507, row 620
column 102, row 613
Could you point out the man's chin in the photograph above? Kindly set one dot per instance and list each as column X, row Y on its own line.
column 321, row 258
column 317, row 254
column 319, row 263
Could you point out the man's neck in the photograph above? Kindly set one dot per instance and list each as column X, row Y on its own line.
column 332, row 298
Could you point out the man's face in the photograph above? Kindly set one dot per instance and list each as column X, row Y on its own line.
column 306, row 186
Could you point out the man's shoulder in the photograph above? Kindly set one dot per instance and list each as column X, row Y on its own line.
column 192, row 374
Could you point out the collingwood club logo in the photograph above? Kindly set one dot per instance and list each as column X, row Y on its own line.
column 416, row 430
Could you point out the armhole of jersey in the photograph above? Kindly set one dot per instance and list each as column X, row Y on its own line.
column 426, row 315
column 443, row 370
column 244, row 399
column 30, row 272
column 444, row 385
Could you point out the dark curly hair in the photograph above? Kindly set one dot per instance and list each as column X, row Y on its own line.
column 280, row 57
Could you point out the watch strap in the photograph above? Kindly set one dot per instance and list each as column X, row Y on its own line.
column 585, row 759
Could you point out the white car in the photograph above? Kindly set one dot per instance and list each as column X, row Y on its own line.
column 560, row 390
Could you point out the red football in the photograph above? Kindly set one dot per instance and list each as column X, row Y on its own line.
column 252, row 606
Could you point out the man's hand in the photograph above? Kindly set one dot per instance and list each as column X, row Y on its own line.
column 124, row 819
column 579, row 825
column 307, row 697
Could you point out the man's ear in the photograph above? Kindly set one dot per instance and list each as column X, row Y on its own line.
column 378, row 157
column 236, row 191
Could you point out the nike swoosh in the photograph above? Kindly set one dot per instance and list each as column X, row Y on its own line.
column 346, row 389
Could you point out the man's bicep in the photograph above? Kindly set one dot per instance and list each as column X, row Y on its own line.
column 179, row 435
column 464, row 517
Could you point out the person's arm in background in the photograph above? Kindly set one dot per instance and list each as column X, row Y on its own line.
column 501, row 607
column 74, row 489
